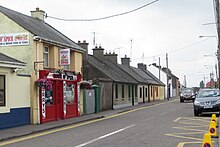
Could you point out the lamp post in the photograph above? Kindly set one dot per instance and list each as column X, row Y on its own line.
column 217, row 53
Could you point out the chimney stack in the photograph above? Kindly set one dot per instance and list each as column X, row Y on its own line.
column 98, row 52
column 111, row 57
column 142, row 66
column 39, row 14
column 125, row 61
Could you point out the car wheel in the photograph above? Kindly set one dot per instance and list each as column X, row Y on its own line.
column 181, row 100
column 196, row 113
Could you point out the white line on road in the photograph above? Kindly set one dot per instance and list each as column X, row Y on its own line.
column 104, row 136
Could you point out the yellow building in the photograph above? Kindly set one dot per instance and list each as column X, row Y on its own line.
column 32, row 40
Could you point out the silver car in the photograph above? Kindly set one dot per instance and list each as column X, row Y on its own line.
column 207, row 100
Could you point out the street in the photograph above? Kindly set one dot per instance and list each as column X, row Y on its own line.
column 167, row 124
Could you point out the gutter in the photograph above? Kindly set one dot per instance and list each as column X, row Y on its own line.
column 59, row 44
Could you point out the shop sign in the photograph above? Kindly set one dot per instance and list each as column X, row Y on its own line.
column 14, row 39
column 65, row 57
column 43, row 103
column 64, row 98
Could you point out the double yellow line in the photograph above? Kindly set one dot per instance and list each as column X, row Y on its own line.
column 75, row 126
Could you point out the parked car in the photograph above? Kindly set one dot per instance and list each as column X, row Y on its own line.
column 207, row 100
column 187, row 94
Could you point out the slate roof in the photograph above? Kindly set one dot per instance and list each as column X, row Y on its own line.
column 134, row 74
column 154, row 77
column 9, row 60
column 39, row 28
column 111, row 70
column 148, row 78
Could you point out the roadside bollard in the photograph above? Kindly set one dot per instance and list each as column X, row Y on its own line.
column 214, row 118
column 207, row 140
column 212, row 129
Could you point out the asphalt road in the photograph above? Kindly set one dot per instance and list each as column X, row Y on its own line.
column 168, row 124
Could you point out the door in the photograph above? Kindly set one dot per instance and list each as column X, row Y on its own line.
column 59, row 94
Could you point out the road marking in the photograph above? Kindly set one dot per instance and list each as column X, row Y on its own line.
column 181, row 144
column 104, row 136
column 185, row 137
column 184, row 128
column 163, row 113
column 77, row 125
column 176, row 120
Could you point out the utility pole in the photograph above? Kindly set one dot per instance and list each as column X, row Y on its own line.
column 168, row 95
column 131, row 49
column 216, row 4
column 159, row 68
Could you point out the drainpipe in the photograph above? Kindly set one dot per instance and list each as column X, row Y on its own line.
column 37, row 75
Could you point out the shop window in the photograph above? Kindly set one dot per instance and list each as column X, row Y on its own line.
column 2, row 90
column 69, row 93
column 49, row 97
column 46, row 56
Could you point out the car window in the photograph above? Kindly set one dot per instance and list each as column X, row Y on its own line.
column 208, row 93
column 187, row 91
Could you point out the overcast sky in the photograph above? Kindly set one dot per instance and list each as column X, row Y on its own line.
column 167, row 26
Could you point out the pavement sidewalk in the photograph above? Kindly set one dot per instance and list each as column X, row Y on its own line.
column 24, row 130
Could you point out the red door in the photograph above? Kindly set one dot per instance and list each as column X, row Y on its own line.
column 58, row 98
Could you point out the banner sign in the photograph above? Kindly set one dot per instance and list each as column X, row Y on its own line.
column 43, row 103
column 64, row 98
column 65, row 57
column 14, row 39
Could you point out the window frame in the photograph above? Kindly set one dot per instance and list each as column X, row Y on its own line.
column 4, row 90
column 46, row 53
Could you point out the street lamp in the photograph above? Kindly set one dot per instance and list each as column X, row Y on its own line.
column 218, row 57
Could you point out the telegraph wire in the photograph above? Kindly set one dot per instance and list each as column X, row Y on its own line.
column 175, row 50
column 102, row 18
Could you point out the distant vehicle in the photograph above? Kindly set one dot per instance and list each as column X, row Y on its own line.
column 187, row 94
column 207, row 100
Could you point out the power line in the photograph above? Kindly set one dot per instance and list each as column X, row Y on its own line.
column 175, row 50
column 106, row 17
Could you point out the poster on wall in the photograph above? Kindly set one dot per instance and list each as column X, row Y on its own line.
column 14, row 39
column 65, row 57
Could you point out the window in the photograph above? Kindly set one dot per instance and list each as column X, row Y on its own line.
column 116, row 90
column 129, row 91
column 2, row 90
column 151, row 93
column 46, row 56
column 146, row 92
column 136, row 91
column 66, row 67
column 140, row 92
column 69, row 93
column 123, row 91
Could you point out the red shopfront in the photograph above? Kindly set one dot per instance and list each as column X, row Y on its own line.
column 62, row 100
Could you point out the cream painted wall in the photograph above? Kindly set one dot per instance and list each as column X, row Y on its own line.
column 126, row 99
column 140, row 99
column 17, row 93
column 23, row 53
column 76, row 61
